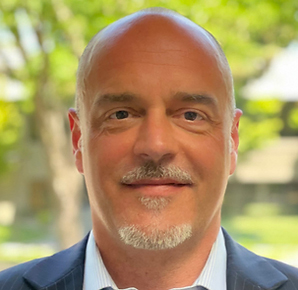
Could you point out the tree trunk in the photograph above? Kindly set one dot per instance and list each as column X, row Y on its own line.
column 66, row 182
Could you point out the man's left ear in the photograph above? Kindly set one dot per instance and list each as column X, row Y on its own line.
column 234, row 141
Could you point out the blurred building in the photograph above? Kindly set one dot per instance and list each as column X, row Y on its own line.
column 270, row 174
column 266, row 175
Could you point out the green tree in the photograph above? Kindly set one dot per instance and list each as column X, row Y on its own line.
column 47, row 70
column 10, row 125
column 49, row 36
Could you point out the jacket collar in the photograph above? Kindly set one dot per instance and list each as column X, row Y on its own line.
column 246, row 270
column 64, row 270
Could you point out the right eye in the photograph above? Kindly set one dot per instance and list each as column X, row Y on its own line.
column 192, row 116
column 119, row 115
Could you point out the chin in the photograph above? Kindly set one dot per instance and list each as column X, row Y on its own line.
column 153, row 238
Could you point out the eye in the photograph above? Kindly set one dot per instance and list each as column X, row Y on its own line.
column 119, row 115
column 192, row 116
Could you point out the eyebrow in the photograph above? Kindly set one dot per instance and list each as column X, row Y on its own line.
column 200, row 98
column 115, row 98
column 196, row 98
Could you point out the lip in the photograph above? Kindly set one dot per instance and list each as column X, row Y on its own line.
column 157, row 187
column 157, row 182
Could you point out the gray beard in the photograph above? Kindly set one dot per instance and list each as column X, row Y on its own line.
column 151, row 237
column 156, row 239
column 154, row 203
column 152, row 170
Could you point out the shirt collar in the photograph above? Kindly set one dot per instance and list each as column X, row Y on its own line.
column 213, row 276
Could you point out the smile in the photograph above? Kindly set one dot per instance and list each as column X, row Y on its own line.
column 157, row 187
column 157, row 182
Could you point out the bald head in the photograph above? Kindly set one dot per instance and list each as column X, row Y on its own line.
column 151, row 30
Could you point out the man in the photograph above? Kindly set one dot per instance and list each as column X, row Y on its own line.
column 155, row 135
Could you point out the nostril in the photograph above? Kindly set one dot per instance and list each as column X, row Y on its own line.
column 155, row 140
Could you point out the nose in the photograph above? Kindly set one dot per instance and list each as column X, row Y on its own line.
column 156, row 140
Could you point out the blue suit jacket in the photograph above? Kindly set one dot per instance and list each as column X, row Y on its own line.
column 65, row 271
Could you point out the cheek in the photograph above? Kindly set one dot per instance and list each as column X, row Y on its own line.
column 107, row 154
column 208, row 153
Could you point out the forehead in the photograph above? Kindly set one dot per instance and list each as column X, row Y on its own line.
column 134, row 35
column 142, row 51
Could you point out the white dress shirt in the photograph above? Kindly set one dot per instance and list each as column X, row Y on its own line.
column 213, row 276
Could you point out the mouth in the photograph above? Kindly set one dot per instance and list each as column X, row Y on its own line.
column 156, row 182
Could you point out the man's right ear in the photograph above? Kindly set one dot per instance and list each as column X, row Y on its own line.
column 76, row 136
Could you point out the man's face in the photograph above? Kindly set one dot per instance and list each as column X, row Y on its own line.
column 156, row 136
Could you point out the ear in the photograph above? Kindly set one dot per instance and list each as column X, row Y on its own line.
column 234, row 141
column 76, row 136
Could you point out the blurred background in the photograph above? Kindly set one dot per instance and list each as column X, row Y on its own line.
column 43, row 202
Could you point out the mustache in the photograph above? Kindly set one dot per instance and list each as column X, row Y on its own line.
column 151, row 170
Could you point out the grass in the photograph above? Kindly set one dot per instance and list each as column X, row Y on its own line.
column 276, row 230
column 14, row 253
column 271, row 235
column 21, row 233
column 20, row 243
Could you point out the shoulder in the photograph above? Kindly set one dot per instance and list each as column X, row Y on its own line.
column 289, row 271
column 46, row 271
column 12, row 278
column 247, row 268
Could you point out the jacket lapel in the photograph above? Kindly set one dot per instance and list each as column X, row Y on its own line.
column 247, row 271
column 65, row 270
column 62, row 271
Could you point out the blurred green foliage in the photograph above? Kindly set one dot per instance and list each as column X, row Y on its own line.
column 49, row 36
column 262, row 121
column 10, row 130
column 293, row 117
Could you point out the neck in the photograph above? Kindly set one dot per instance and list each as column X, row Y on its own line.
column 157, row 269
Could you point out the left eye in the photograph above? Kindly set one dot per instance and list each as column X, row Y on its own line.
column 191, row 116
column 119, row 115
